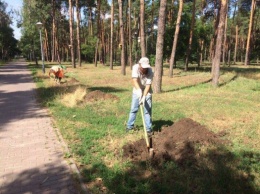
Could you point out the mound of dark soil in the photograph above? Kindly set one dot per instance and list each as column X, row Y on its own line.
column 176, row 142
column 99, row 95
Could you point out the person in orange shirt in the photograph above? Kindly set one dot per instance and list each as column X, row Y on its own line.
column 58, row 72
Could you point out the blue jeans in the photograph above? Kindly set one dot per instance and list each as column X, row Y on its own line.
column 147, row 112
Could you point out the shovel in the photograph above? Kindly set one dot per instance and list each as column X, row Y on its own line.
column 150, row 150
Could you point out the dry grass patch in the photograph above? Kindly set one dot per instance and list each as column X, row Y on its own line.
column 99, row 95
column 73, row 99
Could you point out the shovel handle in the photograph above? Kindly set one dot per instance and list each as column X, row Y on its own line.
column 145, row 132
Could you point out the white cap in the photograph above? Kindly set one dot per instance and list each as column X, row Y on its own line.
column 144, row 61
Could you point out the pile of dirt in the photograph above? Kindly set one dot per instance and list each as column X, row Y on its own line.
column 71, row 81
column 176, row 142
column 99, row 95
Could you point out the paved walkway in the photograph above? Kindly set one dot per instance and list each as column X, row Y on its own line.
column 31, row 155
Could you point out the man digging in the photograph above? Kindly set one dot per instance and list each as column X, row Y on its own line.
column 142, row 75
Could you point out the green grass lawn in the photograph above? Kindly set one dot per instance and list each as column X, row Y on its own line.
column 94, row 130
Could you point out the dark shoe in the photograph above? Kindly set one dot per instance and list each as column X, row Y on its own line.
column 149, row 134
column 129, row 130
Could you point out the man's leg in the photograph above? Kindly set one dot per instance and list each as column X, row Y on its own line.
column 133, row 111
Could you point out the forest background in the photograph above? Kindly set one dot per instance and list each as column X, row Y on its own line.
column 120, row 32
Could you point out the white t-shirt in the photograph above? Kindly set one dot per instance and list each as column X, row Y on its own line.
column 143, row 80
column 55, row 68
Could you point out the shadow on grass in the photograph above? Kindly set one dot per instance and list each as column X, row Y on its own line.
column 106, row 89
column 216, row 171
column 208, row 81
column 188, row 86
column 230, row 80
column 244, row 71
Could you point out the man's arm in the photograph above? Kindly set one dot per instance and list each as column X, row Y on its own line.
column 137, row 86
column 146, row 90
column 136, row 83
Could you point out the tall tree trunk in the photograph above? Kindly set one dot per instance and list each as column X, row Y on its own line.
column 243, row 48
column 229, row 51
column 157, row 84
column 217, row 55
column 171, row 12
column 78, row 32
column 234, row 12
column 247, row 60
column 216, row 22
column 142, row 29
column 53, row 32
column 46, row 47
column 122, row 37
column 103, row 46
column 211, row 49
column 99, row 32
column 201, row 52
column 136, row 26
column 130, row 33
column 236, row 43
column 191, row 35
column 176, row 35
column 57, row 51
column 90, row 23
column 71, row 35
column 96, row 52
column 225, row 42
column 112, row 35
column 152, row 29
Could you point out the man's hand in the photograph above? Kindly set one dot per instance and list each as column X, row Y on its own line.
column 139, row 93
column 142, row 100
